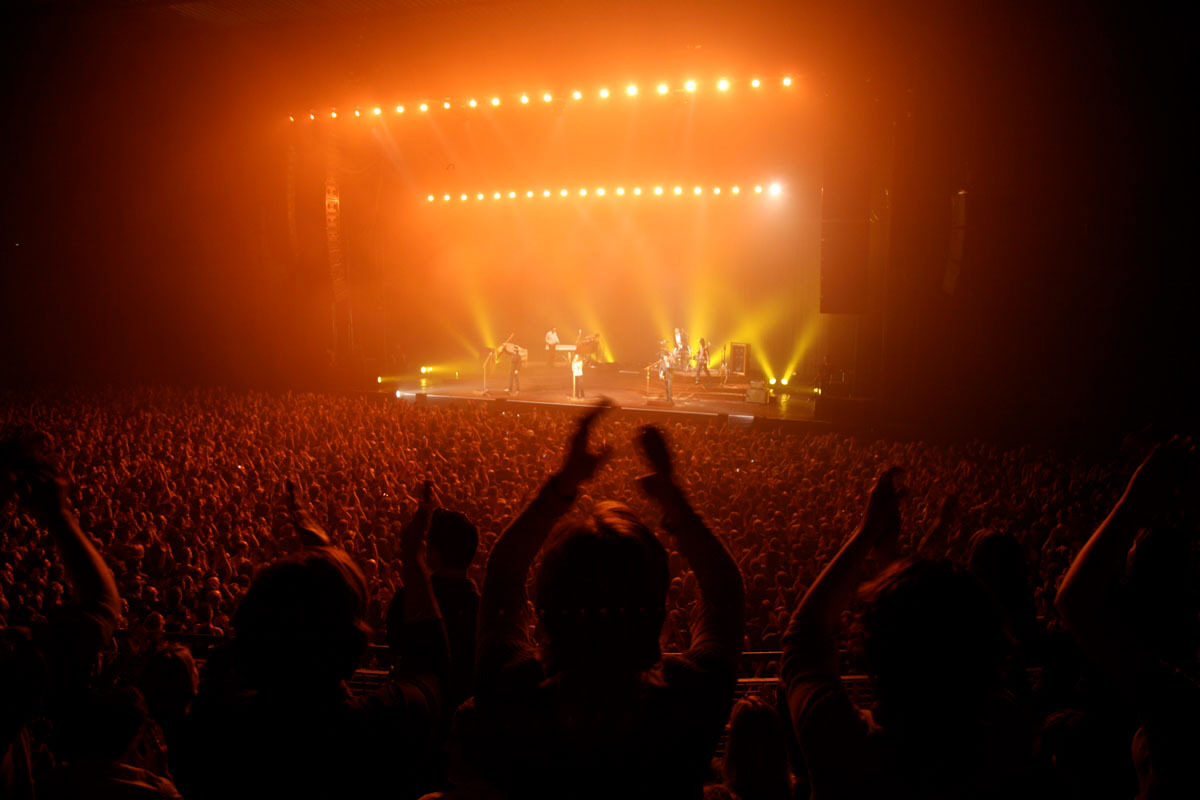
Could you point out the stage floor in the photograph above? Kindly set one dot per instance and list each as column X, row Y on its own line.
column 551, row 386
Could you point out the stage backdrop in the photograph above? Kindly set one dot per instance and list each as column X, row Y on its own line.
column 438, row 282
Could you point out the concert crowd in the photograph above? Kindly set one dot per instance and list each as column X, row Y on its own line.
column 194, row 583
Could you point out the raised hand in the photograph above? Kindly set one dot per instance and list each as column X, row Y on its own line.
column 948, row 509
column 311, row 533
column 581, row 463
column 882, row 520
column 654, row 447
column 1160, row 474
column 412, row 535
column 44, row 492
column 30, row 473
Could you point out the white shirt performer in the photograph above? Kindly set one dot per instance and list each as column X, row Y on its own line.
column 551, row 344
column 577, row 376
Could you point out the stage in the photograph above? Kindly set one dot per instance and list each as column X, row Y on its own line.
column 734, row 398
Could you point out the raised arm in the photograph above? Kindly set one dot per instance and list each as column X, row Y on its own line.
column 809, row 643
column 95, row 591
column 1086, row 600
column 500, row 635
column 426, row 647
column 936, row 541
column 717, row 631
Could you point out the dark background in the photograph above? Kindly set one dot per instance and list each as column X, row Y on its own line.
column 144, row 235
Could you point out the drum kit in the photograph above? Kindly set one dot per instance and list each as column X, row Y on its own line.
column 679, row 359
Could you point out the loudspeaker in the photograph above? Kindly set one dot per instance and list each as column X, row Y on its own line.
column 739, row 358
column 958, row 238
column 845, row 215
column 757, row 393
column 843, row 266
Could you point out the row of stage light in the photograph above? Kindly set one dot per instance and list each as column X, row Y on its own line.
column 773, row 190
column 690, row 87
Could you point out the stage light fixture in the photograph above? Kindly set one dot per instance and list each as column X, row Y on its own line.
column 379, row 379
column 524, row 98
column 424, row 106
column 397, row 394
column 663, row 88
column 472, row 102
column 495, row 101
column 430, row 198
column 333, row 115
column 312, row 116
column 783, row 381
column 547, row 97
column 771, row 381
column 773, row 189
column 357, row 113
column 377, row 111
column 578, row 95
column 604, row 94
column 690, row 86
column 399, row 109
column 723, row 85
column 631, row 90
column 446, row 104
column 291, row 118
column 756, row 83
column 787, row 81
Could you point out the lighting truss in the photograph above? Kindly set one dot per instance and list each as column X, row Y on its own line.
column 529, row 99
column 603, row 193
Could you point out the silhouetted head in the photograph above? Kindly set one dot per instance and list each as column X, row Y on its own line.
column 104, row 725
column 601, row 594
column 301, row 626
column 756, row 757
column 932, row 642
column 452, row 539
column 998, row 563
column 169, row 681
column 1159, row 580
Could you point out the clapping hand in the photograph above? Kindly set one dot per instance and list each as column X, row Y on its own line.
column 311, row 533
column 581, row 463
